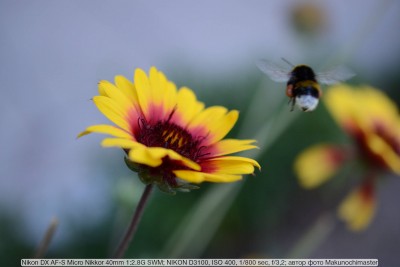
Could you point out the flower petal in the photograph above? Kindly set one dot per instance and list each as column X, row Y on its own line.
column 377, row 106
column 158, row 85
column 112, row 111
column 142, row 86
column 170, row 97
column 106, row 129
column 203, row 123
column 318, row 164
column 229, row 146
column 340, row 101
column 221, row 177
column 142, row 156
column 357, row 209
column 127, row 88
column 190, row 176
column 116, row 94
column 198, row 177
column 122, row 143
column 210, row 114
column 230, row 165
column 221, row 128
column 153, row 157
column 384, row 151
column 187, row 106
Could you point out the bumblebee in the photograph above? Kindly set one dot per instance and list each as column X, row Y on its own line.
column 303, row 88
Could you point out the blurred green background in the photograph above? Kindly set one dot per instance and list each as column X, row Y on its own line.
column 54, row 53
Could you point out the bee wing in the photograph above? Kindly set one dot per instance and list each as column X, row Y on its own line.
column 335, row 75
column 273, row 71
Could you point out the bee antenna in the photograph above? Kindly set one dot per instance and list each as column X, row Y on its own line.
column 287, row 61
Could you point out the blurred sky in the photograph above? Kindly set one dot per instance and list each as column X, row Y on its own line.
column 53, row 53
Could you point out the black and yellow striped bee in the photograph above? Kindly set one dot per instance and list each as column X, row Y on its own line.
column 303, row 86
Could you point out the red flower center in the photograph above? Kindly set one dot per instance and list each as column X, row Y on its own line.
column 170, row 136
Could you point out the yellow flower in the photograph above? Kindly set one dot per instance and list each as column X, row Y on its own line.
column 358, row 208
column 372, row 121
column 317, row 164
column 168, row 135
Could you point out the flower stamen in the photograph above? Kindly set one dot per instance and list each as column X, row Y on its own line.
column 171, row 136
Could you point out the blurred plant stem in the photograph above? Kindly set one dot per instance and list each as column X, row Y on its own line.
column 48, row 236
column 209, row 211
column 130, row 232
column 313, row 237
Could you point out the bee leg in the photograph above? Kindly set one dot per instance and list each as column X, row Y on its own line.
column 292, row 101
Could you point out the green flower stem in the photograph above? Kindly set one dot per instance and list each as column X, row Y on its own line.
column 130, row 232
